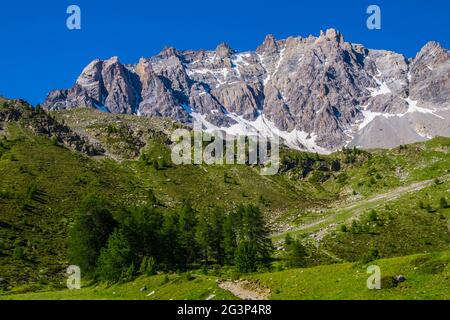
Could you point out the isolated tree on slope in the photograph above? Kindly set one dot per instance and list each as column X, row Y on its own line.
column 294, row 253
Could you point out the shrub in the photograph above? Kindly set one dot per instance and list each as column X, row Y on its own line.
column 188, row 276
column 355, row 228
column 432, row 267
column 235, row 276
column 372, row 181
column 373, row 215
column 371, row 255
column 263, row 200
column 18, row 253
column 444, row 203
column 165, row 280
column 111, row 129
column 128, row 274
column 55, row 141
column 6, row 194
column 430, row 208
column 115, row 261
column 295, row 253
column 246, row 257
column 421, row 205
column 155, row 165
column 32, row 191
column 388, row 282
column 342, row 178
column 225, row 177
column 148, row 266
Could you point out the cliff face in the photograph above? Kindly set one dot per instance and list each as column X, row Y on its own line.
column 316, row 93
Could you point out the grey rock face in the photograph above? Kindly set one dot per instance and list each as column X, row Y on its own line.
column 105, row 85
column 430, row 76
column 316, row 93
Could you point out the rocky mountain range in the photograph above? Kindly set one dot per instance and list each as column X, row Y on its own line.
column 316, row 93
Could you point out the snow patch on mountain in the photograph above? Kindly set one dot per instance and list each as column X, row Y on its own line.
column 262, row 127
column 414, row 108
column 382, row 87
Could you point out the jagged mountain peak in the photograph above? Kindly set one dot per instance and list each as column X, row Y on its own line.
column 431, row 45
column 269, row 45
column 169, row 52
column 224, row 50
column 433, row 51
column 332, row 34
column 316, row 93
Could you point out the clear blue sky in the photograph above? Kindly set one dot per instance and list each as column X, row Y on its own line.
column 38, row 53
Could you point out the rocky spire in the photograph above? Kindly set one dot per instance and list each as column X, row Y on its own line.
column 223, row 50
column 332, row 34
column 268, row 46
column 168, row 52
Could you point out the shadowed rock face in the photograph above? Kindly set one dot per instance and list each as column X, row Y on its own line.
column 317, row 93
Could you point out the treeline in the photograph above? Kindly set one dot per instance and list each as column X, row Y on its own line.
column 148, row 239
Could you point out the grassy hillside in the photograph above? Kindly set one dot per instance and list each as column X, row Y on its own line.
column 43, row 182
column 41, row 188
column 427, row 277
column 414, row 222
column 400, row 222
column 160, row 287
column 42, row 185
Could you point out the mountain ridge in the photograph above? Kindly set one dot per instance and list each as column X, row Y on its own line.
column 316, row 93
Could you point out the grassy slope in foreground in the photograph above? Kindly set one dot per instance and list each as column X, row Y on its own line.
column 428, row 277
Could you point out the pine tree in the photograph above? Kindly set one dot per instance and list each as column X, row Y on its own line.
column 187, row 229
column 254, row 230
column 203, row 236
column 116, row 259
column 254, row 236
column 230, row 229
column 148, row 266
column 170, row 235
column 142, row 227
column 90, row 232
column 210, row 236
column 216, row 240
column 246, row 258
column 295, row 253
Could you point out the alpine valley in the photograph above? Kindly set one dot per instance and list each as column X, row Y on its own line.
column 87, row 178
